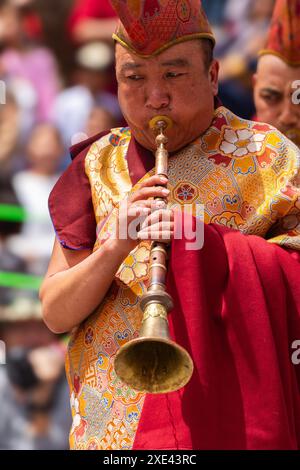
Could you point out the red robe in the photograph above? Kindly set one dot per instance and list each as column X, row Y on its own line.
column 237, row 311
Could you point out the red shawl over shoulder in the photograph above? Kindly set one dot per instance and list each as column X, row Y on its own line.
column 237, row 311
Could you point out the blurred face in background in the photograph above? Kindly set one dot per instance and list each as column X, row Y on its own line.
column 44, row 149
column 175, row 83
column 273, row 94
column 94, row 80
column 261, row 9
column 99, row 120
column 10, row 25
column 29, row 334
column 34, row 356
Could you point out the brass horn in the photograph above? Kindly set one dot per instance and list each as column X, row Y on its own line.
column 153, row 363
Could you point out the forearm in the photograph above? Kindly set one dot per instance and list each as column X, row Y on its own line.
column 75, row 286
column 70, row 296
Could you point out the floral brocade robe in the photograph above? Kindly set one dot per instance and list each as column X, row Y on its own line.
column 246, row 175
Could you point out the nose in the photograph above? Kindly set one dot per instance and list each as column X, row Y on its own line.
column 157, row 96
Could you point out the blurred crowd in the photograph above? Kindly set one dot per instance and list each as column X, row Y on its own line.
column 57, row 87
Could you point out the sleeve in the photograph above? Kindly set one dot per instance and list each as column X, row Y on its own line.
column 70, row 202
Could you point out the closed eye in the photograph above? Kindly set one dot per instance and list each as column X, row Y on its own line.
column 271, row 97
column 174, row 74
column 134, row 77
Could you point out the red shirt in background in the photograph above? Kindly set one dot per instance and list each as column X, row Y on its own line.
column 90, row 9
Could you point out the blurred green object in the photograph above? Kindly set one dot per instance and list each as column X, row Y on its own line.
column 20, row 281
column 12, row 213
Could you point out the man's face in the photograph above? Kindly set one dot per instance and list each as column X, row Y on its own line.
column 273, row 93
column 176, row 84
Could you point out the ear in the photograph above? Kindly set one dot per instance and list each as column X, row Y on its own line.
column 214, row 76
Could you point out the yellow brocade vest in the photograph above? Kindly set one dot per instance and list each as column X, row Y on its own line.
column 246, row 176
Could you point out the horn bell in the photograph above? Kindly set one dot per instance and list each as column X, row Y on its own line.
column 153, row 363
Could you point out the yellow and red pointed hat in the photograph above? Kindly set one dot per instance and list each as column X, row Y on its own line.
column 284, row 33
column 148, row 27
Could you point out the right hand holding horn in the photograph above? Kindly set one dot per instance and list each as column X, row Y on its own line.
column 143, row 217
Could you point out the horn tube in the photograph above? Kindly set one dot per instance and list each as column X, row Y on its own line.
column 154, row 363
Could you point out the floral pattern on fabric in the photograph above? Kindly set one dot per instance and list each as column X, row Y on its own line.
column 147, row 27
column 253, row 192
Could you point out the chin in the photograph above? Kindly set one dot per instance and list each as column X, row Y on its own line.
column 175, row 148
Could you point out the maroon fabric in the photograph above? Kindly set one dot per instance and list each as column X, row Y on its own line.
column 140, row 161
column 237, row 311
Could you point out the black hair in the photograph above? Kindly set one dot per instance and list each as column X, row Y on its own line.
column 207, row 47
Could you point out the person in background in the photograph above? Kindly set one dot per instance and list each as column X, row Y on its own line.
column 33, row 186
column 99, row 120
column 215, row 11
column 31, row 21
column 236, row 296
column 244, row 36
column 9, row 130
column 276, row 82
column 33, row 389
column 73, row 105
column 92, row 20
column 11, row 220
column 30, row 70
